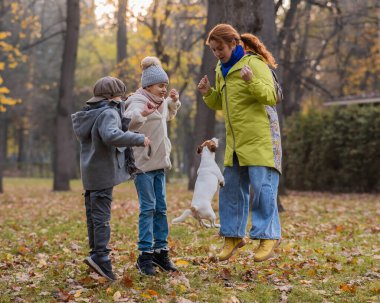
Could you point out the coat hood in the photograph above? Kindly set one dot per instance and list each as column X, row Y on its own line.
column 84, row 120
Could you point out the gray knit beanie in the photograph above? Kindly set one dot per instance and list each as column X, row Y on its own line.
column 152, row 72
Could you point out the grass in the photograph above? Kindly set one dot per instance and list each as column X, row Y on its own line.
column 330, row 251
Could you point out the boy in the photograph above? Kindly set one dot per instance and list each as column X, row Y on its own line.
column 102, row 164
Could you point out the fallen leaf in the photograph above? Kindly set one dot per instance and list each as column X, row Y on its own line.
column 23, row 250
column 127, row 281
column 78, row 293
column 109, row 290
column 152, row 292
column 337, row 268
column 233, row 299
column 225, row 274
column 348, row 288
column 116, row 296
column 182, row 263
column 146, row 296
column 285, row 288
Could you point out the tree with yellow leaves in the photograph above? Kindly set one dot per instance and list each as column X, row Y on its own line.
column 17, row 26
column 11, row 56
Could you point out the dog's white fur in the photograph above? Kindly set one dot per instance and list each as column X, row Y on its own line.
column 209, row 176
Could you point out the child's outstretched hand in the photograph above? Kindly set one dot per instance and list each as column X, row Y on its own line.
column 146, row 141
column 204, row 85
column 246, row 73
column 149, row 108
column 174, row 95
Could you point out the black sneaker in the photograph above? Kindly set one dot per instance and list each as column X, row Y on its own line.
column 144, row 264
column 103, row 268
column 162, row 260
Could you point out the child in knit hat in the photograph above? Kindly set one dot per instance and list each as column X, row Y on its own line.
column 152, row 161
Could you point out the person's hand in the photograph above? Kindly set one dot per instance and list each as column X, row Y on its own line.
column 246, row 73
column 146, row 141
column 174, row 95
column 204, row 85
column 149, row 108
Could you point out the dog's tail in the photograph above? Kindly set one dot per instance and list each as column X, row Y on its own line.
column 182, row 217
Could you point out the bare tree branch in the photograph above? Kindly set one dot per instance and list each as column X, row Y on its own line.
column 25, row 47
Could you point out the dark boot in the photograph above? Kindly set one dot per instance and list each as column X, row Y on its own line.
column 101, row 266
column 144, row 264
column 162, row 260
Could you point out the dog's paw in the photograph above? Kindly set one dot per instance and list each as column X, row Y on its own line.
column 221, row 183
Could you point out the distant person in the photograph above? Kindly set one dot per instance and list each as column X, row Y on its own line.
column 246, row 94
column 102, row 164
column 152, row 161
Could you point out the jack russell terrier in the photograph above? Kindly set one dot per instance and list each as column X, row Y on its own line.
column 206, row 185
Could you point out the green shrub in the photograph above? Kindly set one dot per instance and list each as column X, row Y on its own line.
column 337, row 149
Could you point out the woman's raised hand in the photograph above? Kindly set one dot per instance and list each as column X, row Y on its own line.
column 246, row 73
column 204, row 85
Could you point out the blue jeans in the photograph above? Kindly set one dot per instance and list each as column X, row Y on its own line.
column 153, row 223
column 98, row 214
column 234, row 202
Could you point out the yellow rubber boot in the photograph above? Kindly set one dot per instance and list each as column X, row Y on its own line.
column 257, row 247
column 230, row 246
column 266, row 249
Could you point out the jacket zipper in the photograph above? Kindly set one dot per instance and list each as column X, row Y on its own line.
column 229, row 120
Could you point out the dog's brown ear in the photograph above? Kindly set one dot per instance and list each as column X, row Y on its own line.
column 199, row 149
column 212, row 148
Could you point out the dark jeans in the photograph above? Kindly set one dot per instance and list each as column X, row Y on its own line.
column 98, row 213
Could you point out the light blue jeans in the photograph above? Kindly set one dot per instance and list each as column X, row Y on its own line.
column 153, row 223
column 234, row 202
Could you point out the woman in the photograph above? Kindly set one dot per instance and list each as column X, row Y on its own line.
column 246, row 94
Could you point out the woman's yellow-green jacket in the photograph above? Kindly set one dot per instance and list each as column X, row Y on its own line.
column 252, row 127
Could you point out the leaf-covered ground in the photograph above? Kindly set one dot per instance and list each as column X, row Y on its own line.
column 330, row 251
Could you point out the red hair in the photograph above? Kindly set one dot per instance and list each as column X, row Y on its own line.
column 253, row 44
column 225, row 33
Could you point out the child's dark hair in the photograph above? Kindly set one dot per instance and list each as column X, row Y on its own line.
column 227, row 33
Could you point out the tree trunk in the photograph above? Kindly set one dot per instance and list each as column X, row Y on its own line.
column 3, row 147
column 122, row 39
column 3, row 123
column 64, row 155
column 205, row 117
column 21, row 148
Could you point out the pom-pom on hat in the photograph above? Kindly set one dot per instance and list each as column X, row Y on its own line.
column 107, row 88
column 152, row 72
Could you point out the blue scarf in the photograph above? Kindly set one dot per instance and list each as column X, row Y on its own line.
column 236, row 55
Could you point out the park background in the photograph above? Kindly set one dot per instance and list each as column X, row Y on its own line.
column 328, row 52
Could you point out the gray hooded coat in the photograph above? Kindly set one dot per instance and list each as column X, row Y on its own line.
column 102, row 145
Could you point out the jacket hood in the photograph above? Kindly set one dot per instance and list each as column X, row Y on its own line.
column 84, row 120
